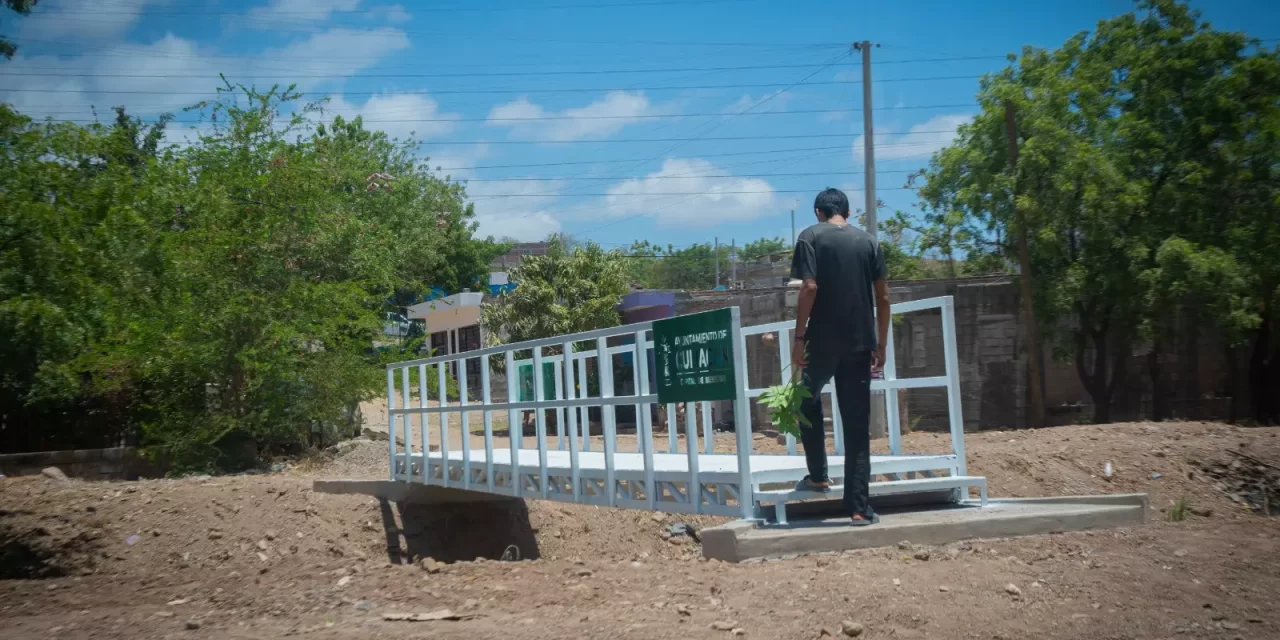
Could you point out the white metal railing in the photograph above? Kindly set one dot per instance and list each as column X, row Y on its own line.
column 616, row 487
column 613, row 477
column 891, row 382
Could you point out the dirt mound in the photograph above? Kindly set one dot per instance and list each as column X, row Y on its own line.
column 264, row 556
column 1247, row 481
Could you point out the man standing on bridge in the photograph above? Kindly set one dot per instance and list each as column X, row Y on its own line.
column 842, row 273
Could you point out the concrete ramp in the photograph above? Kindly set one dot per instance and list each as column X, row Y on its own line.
column 820, row 532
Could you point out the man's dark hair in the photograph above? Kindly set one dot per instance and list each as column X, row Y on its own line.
column 832, row 202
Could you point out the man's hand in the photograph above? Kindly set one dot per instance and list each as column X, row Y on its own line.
column 798, row 358
column 877, row 358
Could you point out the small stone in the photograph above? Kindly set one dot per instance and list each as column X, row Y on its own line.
column 1180, row 553
column 658, row 517
column 164, row 614
column 1012, row 589
column 344, row 581
column 1203, row 512
column 192, row 625
column 921, row 555
column 739, row 631
column 905, row 545
column 271, row 534
column 851, row 629
column 1230, row 626
column 897, row 582
column 683, row 610
column 430, row 565
column 264, row 557
column 214, row 534
column 178, row 602
column 944, row 589
column 826, row 633
column 54, row 473
column 1036, row 585
column 721, row 625
column 363, row 605
column 262, row 544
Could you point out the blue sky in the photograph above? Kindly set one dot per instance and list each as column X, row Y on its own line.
column 671, row 121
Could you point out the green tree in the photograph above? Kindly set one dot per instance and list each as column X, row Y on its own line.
column 764, row 248
column 1125, row 139
column 567, row 290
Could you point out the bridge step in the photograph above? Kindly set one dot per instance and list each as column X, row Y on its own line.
column 780, row 497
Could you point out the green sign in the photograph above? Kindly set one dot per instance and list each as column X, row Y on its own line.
column 525, row 377
column 694, row 357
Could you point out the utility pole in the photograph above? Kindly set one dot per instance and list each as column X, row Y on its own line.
column 733, row 262
column 717, row 252
column 868, row 137
column 1034, row 382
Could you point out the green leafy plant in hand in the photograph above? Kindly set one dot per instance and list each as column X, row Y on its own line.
column 784, row 402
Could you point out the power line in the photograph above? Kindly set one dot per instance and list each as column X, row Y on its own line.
column 684, row 176
column 288, row 74
column 517, row 90
column 653, row 194
column 416, row 9
column 649, row 116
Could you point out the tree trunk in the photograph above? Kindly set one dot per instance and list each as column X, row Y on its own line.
column 1159, row 397
column 1259, row 372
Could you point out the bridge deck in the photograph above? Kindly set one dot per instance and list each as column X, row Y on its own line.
column 765, row 469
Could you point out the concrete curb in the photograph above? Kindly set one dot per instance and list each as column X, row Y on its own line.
column 745, row 540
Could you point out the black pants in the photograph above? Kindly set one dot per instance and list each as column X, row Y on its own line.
column 852, row 372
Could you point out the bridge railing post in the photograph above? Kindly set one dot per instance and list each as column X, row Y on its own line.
column 391, row 420
column 742, row 416
column 609, row 417
column 425, row 433
column 951, row 356
column 644, row 417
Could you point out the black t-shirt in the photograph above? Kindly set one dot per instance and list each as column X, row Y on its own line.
column 845, row 261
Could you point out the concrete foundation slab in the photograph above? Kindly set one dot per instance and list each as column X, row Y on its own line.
column 923, row 524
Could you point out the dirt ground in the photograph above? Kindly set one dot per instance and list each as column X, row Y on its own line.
column 261, row 556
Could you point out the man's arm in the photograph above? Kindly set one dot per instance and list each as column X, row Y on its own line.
column 804, row 267
column 882, row 321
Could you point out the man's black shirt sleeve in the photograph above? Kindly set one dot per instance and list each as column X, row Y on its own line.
column 804, row 260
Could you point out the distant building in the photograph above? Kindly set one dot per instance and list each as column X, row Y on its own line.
column 516, row 255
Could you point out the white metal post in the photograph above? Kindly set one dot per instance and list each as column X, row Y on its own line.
column 608, row 418
column 541, row 422
column 560, row 411
column 672, row 427
column 784, row 367
column 891, row 395
column 584, row 412
column 635, row 386
column 391, row 420
column 426, row 425
column 465, row 419
column 694, row 487
column 515, row 429
column 742, row 416
column 952, row 356
column 407, row 424
column 646, row 426
column 487, row 398
column 443, row 398
column 708, row 436
column 575, row 474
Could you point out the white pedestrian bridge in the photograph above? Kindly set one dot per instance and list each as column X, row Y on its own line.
column 604, row 449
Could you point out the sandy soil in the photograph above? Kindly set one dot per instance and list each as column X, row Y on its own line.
column 262, row 557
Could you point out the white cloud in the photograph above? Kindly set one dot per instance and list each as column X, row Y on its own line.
column 295, row 14
column 604, row 117
column 172, row 72
column 83, row 19
column 527, row 218
column 395, row 113
column 748, row 101
column 920, row 141
column 395, row 13
column 713, row 200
